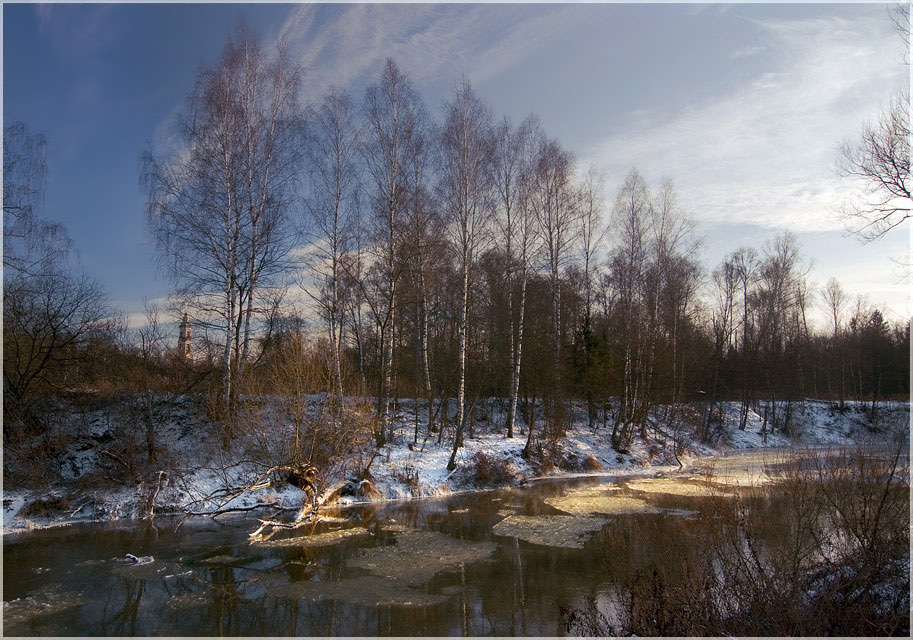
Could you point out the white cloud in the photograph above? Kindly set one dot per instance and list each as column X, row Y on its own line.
column 426, row 40
column 746, row 52
column 764, row 152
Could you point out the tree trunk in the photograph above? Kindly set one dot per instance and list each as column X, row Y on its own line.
column 461, row 394
column 426, row 360
column 515, row 373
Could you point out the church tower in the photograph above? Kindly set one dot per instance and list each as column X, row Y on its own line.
column 184, row 339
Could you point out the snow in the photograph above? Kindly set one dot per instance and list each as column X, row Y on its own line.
column 195, row 466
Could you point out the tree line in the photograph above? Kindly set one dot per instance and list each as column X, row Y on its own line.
column 365, row 248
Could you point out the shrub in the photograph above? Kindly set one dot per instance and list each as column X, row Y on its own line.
column 590, row 463
column 45, row 508
column 488, row 471
column 409, row 477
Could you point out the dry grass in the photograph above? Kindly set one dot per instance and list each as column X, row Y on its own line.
column 822, row 551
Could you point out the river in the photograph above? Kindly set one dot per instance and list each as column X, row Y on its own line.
column 506, row 562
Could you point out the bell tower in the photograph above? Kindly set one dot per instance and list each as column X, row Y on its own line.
column 184, row 339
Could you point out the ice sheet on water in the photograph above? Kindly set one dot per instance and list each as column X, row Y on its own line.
column 748, row 469
column 553, row 531
column 599, row 499
column 676, row 486
column 326, row 539
column 135, row 571
column 225, row 560
column 20, row 615
column 417, row 556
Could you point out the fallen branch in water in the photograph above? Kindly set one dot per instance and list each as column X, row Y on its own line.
column 302, row 519
column 225, row 495
column 219, row 512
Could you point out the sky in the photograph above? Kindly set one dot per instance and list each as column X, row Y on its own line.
column 743, row 106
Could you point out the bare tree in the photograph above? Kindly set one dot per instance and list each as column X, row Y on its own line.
column 467, row 196
column 674, row 278
column 627, row 269
column 424, row 242
column 592, row 231
column 782, row 273
column 333, row 195
column 592, row 236
column 879, row 159
column 392, row 110
column 514, row 173
column 557, row 212
column 745, row 263
column 51, row 307
column 722, row 325
column 835, row 300
column 219, row 208
column 31, row 243
column 47, row 320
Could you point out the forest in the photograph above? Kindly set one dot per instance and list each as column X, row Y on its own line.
column 366, row 249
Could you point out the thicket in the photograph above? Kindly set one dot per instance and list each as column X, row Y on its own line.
column 822, row 551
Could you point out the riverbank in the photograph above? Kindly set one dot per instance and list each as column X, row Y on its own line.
column 194, row 473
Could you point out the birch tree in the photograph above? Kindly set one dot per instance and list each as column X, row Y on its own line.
column 31, row 243
column 219, row 207
column 333, row 196
column 467, row 199
column 424, row 242
column 392, row 111
column 627, row 269
column 557, row 213
column 514, row 178
column 592, row 236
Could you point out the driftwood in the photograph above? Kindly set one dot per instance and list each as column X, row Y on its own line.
column 301, row 476
column 308, row 517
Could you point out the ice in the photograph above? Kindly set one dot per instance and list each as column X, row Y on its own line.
column 140, row 559
column 684, row 486
column 553, row 531
column 326, row 539
column 21, row 614
column 584, row 501
column 416, row 556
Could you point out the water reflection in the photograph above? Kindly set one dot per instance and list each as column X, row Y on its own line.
column 209, row 579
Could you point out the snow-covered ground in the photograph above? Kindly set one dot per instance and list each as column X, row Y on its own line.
column 195, row 466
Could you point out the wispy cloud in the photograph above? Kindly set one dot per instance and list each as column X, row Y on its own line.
column 343, row 44
column 745, row 53
column 763, row 153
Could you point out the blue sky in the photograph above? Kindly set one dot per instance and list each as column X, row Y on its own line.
column 742, row 105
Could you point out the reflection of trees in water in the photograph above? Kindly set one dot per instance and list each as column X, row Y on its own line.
column 123, row 622
column 517, row 593
column 224, row 594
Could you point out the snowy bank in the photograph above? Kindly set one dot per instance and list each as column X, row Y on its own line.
column 194, row 474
